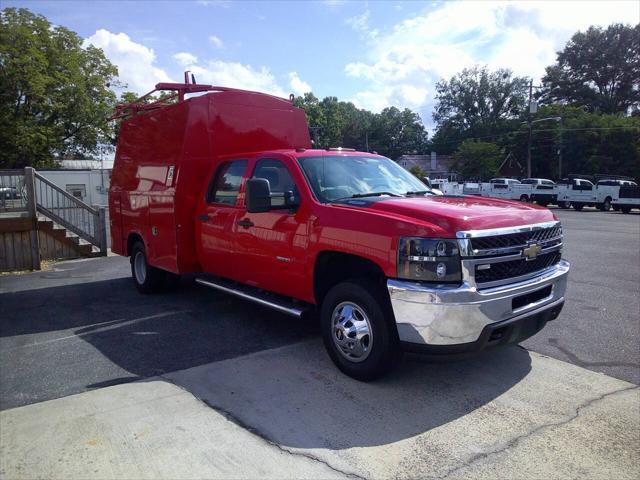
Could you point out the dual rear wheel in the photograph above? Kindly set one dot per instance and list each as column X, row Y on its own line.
column 149, row 279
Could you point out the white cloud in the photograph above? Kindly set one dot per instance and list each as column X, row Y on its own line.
column 360, row 23
column 135, row 62
column 298, row 86
column 185, row 59
column 216, row 42
column 237, row 75
column 405, row 62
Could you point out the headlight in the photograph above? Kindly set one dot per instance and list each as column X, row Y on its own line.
column 429, row 260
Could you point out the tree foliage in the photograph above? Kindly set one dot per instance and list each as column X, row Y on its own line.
column 477, row 160
column 333, row 123
column 589, row 143
column 598, row 69
column 477, row 103
column 54, row 93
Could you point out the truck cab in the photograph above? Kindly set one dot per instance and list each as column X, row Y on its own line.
column 227, row 186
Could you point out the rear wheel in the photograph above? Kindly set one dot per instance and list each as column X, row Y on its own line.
column 606, row 205
column 625, row 209
column 358, row 331
column 148, row 279
column 577, row 206
column 524, row 198
column 564, row 204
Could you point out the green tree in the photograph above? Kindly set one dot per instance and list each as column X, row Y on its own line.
column 598, row 69
column 397, row 132
column 334, row 123
column 54, row 93
column 477, row 160
column 477, row 103
column 589, row 143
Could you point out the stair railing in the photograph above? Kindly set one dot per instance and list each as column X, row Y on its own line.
column 68, row 211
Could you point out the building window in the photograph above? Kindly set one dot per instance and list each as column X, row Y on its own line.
column 77, row 190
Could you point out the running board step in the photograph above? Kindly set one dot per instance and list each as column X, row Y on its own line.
column 270, row 300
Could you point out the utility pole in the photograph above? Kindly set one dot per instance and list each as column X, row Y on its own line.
column 366, row 139
column 560, row 153
column 530, row 132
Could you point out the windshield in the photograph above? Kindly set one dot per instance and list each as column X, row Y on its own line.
column 338, row 177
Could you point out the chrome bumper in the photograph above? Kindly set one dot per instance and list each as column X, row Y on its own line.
column 457, row 315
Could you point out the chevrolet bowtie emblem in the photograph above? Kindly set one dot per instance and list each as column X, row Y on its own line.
column 532, row 251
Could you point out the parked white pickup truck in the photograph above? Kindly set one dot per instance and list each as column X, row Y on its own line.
column 628, row 197
column 579, row 193
column 543, row 191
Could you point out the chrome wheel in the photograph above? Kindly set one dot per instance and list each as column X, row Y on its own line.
column 140, row 267
column 351, row 333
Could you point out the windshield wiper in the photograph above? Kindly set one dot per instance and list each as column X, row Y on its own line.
column 374, row 194
column 418, row 192
column 370, row 194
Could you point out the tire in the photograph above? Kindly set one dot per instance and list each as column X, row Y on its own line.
column 616, row 208
column 356, row 304
column 524, row 198
column 577, row 206
column 543, row 204
column 146, row 278
column 625, row 209
column 606, row 205
column 564, row 205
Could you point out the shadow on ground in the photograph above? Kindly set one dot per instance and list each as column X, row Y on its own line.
column 61, row 340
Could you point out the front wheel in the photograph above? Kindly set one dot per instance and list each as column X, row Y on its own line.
column 625, row 209
column 577, row 206
column 358, row 332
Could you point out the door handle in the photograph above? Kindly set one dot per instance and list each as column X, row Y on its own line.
column 203, row 218
column 245, row 222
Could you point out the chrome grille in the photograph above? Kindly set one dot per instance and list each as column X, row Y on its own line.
column 516, row 239
column 515, row 268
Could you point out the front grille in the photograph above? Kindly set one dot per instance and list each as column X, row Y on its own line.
column 516, row 268
column 515, row 239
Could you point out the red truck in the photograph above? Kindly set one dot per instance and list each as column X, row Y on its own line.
column 226, row 185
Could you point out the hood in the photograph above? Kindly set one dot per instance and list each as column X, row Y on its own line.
column 459, row 213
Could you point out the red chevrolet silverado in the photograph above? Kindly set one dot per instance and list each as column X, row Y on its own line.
column 226, row 186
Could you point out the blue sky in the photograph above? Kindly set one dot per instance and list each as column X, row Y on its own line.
column 374, row 53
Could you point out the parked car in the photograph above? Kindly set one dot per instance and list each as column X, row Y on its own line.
column 227, row 186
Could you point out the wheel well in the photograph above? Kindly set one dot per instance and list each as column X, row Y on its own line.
column 131, row 240
column 332, row 268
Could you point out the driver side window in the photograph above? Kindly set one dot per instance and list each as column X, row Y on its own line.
column 278, row 176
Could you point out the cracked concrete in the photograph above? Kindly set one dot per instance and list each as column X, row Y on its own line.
column 289, row 413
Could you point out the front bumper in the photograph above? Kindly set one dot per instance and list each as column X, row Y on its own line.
column 442, row 316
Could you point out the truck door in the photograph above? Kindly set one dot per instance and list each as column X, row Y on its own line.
column 272, row 246
column 216, row 215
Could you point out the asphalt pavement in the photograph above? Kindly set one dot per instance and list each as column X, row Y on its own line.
column 99, row 381
column 83, row 325
column 599, row 327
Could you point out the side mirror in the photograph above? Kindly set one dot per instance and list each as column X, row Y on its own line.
column 427, row 181
column 258, row 195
